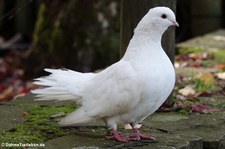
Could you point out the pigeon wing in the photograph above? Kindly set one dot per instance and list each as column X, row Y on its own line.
column 112, row 92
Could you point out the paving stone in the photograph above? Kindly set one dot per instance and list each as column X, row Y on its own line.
column 10, row 117
column 172, row 130
column 29, row 99
column 212, row 41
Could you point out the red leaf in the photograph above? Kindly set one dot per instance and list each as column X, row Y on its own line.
column 204, row 108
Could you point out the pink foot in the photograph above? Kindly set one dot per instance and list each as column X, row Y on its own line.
column 116, row 136
column 138, row 135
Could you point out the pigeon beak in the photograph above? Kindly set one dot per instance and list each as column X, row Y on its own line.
column 175, row 23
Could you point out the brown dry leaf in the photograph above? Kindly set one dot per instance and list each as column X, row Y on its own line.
column 220, row 66
column 203, row 93
column 187, row 91
column 199, row 56
column 206, row 77
column 204, row 108
column 24, row 114
column 7, row 94
column 221, row 75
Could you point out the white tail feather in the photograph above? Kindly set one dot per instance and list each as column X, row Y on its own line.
column 62, row 85
column 76, row 118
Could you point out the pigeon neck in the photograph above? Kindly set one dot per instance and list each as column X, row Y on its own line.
column 152, row 33
column 145, row 37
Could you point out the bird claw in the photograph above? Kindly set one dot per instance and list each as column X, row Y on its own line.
column 116, row 136
column 142, row 136
column 138, row 135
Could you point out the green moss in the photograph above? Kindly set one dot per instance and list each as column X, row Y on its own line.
column 39, row 126
column 201, row 86
column 208, row 63
column 184, row 112
column 183, row 51
column 220, row 56
column 221, row 105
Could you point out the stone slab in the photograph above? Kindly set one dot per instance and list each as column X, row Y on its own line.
column 212, row 41
column 30, row 99
column 172, row 130
column 10, row 117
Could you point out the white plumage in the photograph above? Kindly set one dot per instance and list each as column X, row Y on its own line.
column 127, row 91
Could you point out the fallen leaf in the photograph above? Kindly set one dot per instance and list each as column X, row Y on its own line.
column 204, row 108
column 183, row 58
column 7, row 94
column 221, row 75
column 197, row 65
column 128, row 126
column 187, row 91
column 180, row 64
column 199, row 108
column 206, row 77
column 199, row 56
column 25, row 114
column 220, row 66
column 203, row 93
column 181, row 97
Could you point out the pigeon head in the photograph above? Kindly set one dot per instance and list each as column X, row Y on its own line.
column 158, row 19
column 162, row 16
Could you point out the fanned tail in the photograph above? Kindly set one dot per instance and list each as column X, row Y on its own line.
column 61, row 85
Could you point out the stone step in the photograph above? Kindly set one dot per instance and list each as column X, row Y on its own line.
column 172, row 130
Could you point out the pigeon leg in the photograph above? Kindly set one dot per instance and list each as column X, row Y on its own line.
column 116, row 136
column 138, row 135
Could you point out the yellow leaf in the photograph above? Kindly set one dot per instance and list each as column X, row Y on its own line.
column 206, row 78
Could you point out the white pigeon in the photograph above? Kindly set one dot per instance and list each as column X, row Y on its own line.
column 126, row 92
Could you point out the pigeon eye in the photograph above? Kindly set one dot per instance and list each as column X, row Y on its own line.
column 164, row 16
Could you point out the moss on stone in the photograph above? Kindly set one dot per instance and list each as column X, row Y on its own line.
column 39, row 126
